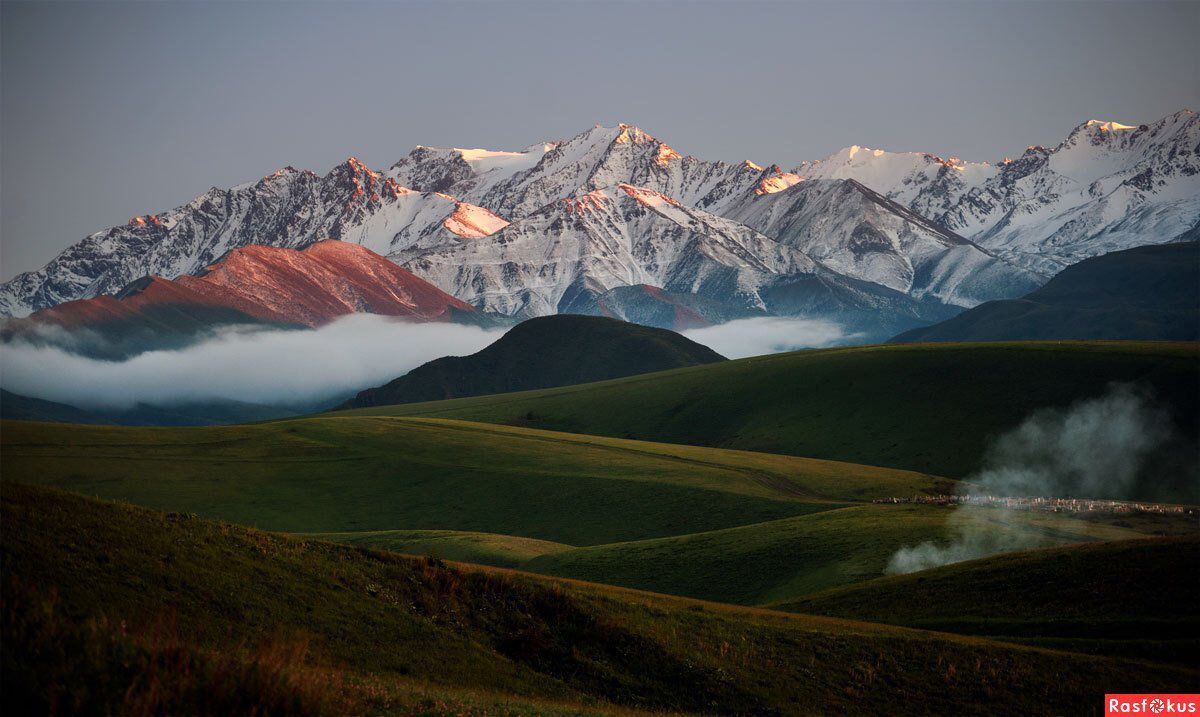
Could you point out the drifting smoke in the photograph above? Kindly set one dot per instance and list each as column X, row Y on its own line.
column 768, row 335
column 1094, row 449
column 267, row 366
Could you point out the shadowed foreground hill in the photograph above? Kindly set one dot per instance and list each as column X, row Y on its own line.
column 1136, row 594
column 1151, row 292
column 541, row 353
column 112, row 608
column 929, row 408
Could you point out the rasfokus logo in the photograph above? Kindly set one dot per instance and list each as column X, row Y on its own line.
column 1151, row 705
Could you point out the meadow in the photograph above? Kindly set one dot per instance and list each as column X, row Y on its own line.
column 931, row 408
column 138, row 610
column 299, row 565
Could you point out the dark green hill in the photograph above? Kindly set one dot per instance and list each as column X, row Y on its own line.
column 931, row 408
column 1127, row 591
column 112, row 609
column 1146, row 293
column 541, row 353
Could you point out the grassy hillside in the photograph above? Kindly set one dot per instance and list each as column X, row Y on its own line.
column 371, row 474
column 784, row 559
column 543, row 352
column 929, row 408
column 725, row 525
column 169, row 613
column 505, row 551
column 1100, row 596
column 1149, row 292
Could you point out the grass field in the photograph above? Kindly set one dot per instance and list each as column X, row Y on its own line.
column 782, row 559
column 504, row 551
column 731, row 526
column 371, row 474
column 928, row 408
column 1130, row 596
column 180, row 614
column 171, row 613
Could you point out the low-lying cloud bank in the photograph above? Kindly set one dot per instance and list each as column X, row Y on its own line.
column 768, row 335
column 1094, row 449
column 244, row 364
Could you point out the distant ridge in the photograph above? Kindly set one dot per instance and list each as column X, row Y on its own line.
column 1145, row 293
column 15, row 407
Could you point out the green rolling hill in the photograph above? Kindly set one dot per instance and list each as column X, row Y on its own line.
column 168, row 613
column 718, row 524
column 782, row 559
column 504, row 551
column 928, row 408
column 547, row 351
column 380, row 473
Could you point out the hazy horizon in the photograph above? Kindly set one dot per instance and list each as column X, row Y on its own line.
column 114, row 110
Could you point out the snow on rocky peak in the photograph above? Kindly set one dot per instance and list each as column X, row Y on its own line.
column 776, row 180
column 604, row 157
column 471, row 222
column 1107, row 186
column 923, row 182
column 567, row 254
column 621, row 235
column 288, row 208
column 436, row 169
column 862, row 234
column 1108, row 126
column 615, row 206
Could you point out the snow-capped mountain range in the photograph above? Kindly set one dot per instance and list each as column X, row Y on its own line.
column 1106, row 187
column 908, row 237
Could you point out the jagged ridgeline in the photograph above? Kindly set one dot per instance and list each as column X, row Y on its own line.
column 881, row 242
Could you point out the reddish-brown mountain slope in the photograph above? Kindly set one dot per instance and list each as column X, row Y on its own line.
column 306, row 287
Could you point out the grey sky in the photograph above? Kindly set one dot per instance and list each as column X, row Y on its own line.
column 111, row 110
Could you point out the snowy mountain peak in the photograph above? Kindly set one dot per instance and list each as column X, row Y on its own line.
column 854, row 149
column 1107, row 126
column 665, row 155
column 151, row 220
column 776, row 180
column 631, row 133
column 647, row 197
column 471, row 222
column 354, row 167
column 614, row 206
column 394, row 190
